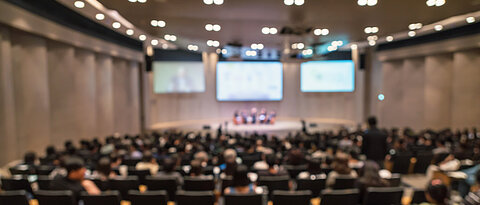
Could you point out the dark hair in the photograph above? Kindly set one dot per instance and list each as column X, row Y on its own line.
column 271, row 160
column 196, row 168
column 296, row 157
column 372, row 121
column 240, row 177
column 50, row 150
column 169, row 165
column 104, row 166
column 340, row 164
column 438, row 191
column 29, row 158
column 73, row 164
column 477, row 176
column 369, row 175
column 147, row 156
column 314, row 167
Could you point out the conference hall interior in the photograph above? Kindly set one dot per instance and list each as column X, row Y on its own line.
column 234, row 102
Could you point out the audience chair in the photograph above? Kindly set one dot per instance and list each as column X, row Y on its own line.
column 199, row 197
column 198, row 184
column 340, row 197
column 423, row 160
column 401, row 163
column 16, row 183
column 293, row 171
column 44, row 170
column 315, row 185
column 130, row 162
column 418, row 196
column 148, row 197
column 383, row 196
column 395, row 180
column 123, row 185
column 64, row 197
column 141, row 174
column 344, row 182
column 44, row 182
column 249, row 160
column 243, row 199
column 22, row 170
column 102, row 185
column 18, row 197
column 105, row 198
column 291, row 197
column 155, row 183
column 274, row 183
column 226, row 182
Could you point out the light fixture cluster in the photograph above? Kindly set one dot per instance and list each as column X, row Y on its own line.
column 210, row 2
column 372, row 38
column 415, row 26
column 169, row 37
column 142, row 37
column 268, row 30
column 435, row 2
column 438, row 27
column 158, row 23
column 321, row 32
column 470, row 19
column 251, row 53
column 307, row 52
column 389, row 38
column 412, row 33
column 292, row 2
column 79, row 4
column 192, row 47
column 100, row 16
column 372, row 29
column 139, row 1
column 298, row 46
column 154, row 42
column 213, row 43
column 213, row 27
column 367, row 2
column 256, row 46
column 334, row 45
column 116, row 25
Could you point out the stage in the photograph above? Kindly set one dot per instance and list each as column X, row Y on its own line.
column 282, row 127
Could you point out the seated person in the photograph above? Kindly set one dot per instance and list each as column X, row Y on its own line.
column 169, row 165
column 442, row 163
column 241, row 182
column 369, row 177
column 74, row 181
column 230, row 156
column 436, row 193
column 196, row 169
column 340, row 167
column 313, row 170
column 148, row 163
column 104, row 170
column 473, row 198
column 274, row 169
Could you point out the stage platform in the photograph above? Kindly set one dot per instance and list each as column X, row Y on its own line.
column 282, row 127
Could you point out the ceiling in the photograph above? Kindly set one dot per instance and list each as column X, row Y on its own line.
column 242, row 20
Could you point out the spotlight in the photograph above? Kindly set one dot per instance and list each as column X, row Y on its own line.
column 79, row 4
column 100, row 17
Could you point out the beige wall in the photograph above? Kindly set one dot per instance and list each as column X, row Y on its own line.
column 196, row 106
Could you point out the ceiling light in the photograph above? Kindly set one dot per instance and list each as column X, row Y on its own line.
column 216, row 44
column 192, row 47
column 415, row 26
column 300, row 45
column 253, row 46
column 325, row 32
column 217, row 27
column 372, row 38
column 218, row 50
column 317, row 32
column 224, row 51
column 79, row 4
column 389, row 38
column 362, row 2
column 265, row 30
column 218, row 2
column 438, row 27
column 208, row 2
column 430, row 2
column 331, row 48
column 100, row 17
column 368, row 30
column 273, row 31
column 288, row 2
column 209, row 27
column 165, row 46
column 154, row 42
column 129, row 32
column 299, row 2
column 133, row 1
column 161, row 23
column 116, row 25
column 154, row 22
column 142, row 1
column 372, row 43
column 260, row 46
column 440, row 3
column 142, row 37
column 353, row 46
column 372, row 2
column 411, row 26
column 470, row 19
column 412, row 33
column 374, row 29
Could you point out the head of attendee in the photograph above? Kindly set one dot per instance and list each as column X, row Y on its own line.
column 437, row 192
column 340, row 164
column 313, row 167
column 196, row 168
column 201, row 156
column 295, row 157
column 369, row 177
column 104, row 169
column 230, row 156
column 30, row 158
column 372, row 122
column 75, row 179
column 241, row 182
column 50, row 151
column 169, row 165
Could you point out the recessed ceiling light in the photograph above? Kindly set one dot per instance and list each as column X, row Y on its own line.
column 116, row 25
column 325, row 32
column 331, row 48
column 353, row 46
column 389, row 38
column 154, row 23
column 161, row 23
column 79, row 4
column 142, row 1
column 224, row 51
column 165, row 46
column 100, row 17
column 470, row 19
column 430, row 2
column 129, row 32
column 440, row 3
column 372, row 43
column 317, row 32
column 288, row 2
column 368, row 30
column 154, row 42
column 438, row 27
column 218, row 2
column 372, row 2
column 142, row 37
column 273, row 31
column 412, row 33
column 362, row 2
column 217, row 27
column 372, row 38
column 209, row 27
column 133, row 1
column 265, row 30
column 208, row 2
column 300, row 45
column 299, row 2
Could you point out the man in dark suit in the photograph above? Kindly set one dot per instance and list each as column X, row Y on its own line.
column 374, row 144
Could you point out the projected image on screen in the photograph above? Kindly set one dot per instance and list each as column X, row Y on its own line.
column 249, row 81
column 178, row 77
column 328, row 76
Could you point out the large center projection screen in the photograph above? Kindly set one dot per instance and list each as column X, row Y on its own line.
column 328, row 76
column 249, row 81
column 178, row 77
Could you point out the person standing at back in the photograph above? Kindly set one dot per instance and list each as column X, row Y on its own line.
column 374, row 144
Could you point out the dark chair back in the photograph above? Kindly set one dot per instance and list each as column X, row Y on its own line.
column 163, row 183
column 418, row 196
column 226, row 182
column 141, row 174
column 342, row 197
column 55, row 197
column 293, row 171
column 242, row 199
column 383, row 196
column 291, row 197
column 105, row 198
column 344, row 182
column 199, row 184
column 130, row 162
column 148, row 197
column 249, row 160
column 401, row 163
column 314, row 184
column 199, row 197
column 18, row 197
column 16, row 183
column 44, row 182
column 123, row 185
column 424, row 159
column 274, row 182
column 22, row 170
column 45, row 170
column 395, row 180
column 101, row 184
